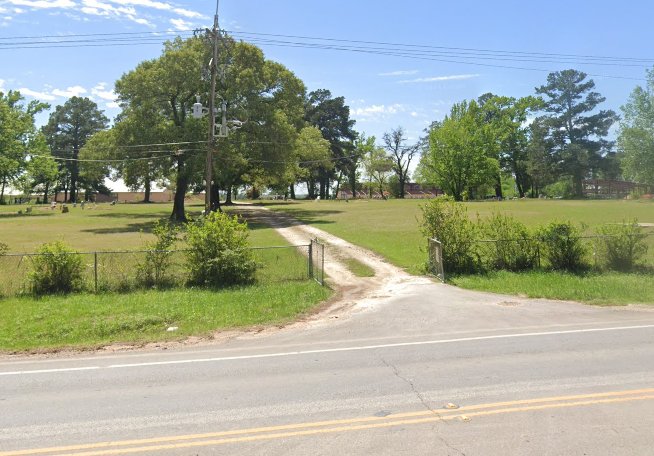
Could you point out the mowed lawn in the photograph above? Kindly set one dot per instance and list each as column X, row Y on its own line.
column 391, row 228
column 88, row 320
column 100, row 228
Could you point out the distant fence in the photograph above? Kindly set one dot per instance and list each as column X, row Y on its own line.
column 119, row 270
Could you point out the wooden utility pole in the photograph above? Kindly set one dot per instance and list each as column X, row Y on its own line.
column 213, row 67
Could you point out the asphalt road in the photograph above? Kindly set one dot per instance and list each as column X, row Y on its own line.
column 433, row 370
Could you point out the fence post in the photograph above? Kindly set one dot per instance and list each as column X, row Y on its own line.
column 95, row 270
column 310, row 264
column 322, row 268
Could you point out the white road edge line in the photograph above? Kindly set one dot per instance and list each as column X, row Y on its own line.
column 326, row 350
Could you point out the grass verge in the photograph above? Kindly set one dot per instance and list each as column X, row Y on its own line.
column 609, row 288
column 358, row 268
column 88, row 321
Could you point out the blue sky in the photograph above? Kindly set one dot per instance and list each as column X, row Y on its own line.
column 383, row 91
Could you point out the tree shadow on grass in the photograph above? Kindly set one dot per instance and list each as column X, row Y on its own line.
column 26, row 216
column 125, row 215
column 258, row 219
column 145, row 227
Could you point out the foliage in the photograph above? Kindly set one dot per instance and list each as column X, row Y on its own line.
column 562, row 246
column 4, row 248
column 622, row 246
column 379, row 167
column 56, row 269
column 313, row 153
column 219, row 254
column 575, row 133
column 458, row 158
column 153, row 272
column 448, row 222
column 69, row 127
column 562, row 188
column 506, row 120
column 332, row 117
column 17, row 135
column 636, row 139
column 514, row 249
column 401, row 156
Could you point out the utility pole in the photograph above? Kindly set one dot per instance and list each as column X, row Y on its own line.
column 215, row 37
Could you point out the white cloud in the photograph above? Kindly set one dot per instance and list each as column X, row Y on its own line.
column 399, row 73
column 132, row 10
column 112, row 105
column 2, row 84
column 40, row 95
column 75, row 91
column 378, row 110
column 3, row 10
column 100, row 91
column 43, row 4
column 454, row 77
column 181, row 24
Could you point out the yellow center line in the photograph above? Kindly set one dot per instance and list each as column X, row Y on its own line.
column 343, row 425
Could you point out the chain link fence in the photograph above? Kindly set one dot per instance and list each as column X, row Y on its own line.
column 317, row 261
column 593, row 245
column 123, row 270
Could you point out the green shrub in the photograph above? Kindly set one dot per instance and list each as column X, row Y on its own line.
column 514, row 248
column 56, row 269
column 621, row 247
column 4, row 248
column 219, row 253
column 562, row 246
column 153, row 271
column 447, row 221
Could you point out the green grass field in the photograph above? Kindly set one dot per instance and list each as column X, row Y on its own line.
column 380, row 225
column 88, row 320
column 103, row 228
column 391, row 228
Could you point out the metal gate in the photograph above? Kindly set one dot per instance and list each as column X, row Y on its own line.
column 317, row 261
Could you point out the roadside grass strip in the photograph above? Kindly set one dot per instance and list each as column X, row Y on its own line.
column 462, row 414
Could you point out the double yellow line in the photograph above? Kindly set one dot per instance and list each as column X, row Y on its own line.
column 336, row 426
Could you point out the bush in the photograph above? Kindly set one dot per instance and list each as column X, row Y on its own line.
column 219, row 252
column 4, row 248
column 562, row 246
column 153, row 271
column 514, row 249
column 448, row 221
column 57, row 269
column 621, row 247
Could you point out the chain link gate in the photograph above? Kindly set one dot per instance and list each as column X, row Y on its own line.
column 317, row 261
column 435, row 250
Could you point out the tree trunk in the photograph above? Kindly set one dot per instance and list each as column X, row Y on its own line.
column 352, row 177
column 45, row 193
column 292, row 191
column 402, row 181
column 498, row 187
column 148, row 189
column 228, row 197
column 74, row 175
column 181, row 185
column 215, row 198
column 2, row 192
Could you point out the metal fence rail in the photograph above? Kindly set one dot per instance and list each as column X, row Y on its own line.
column 123, row 270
